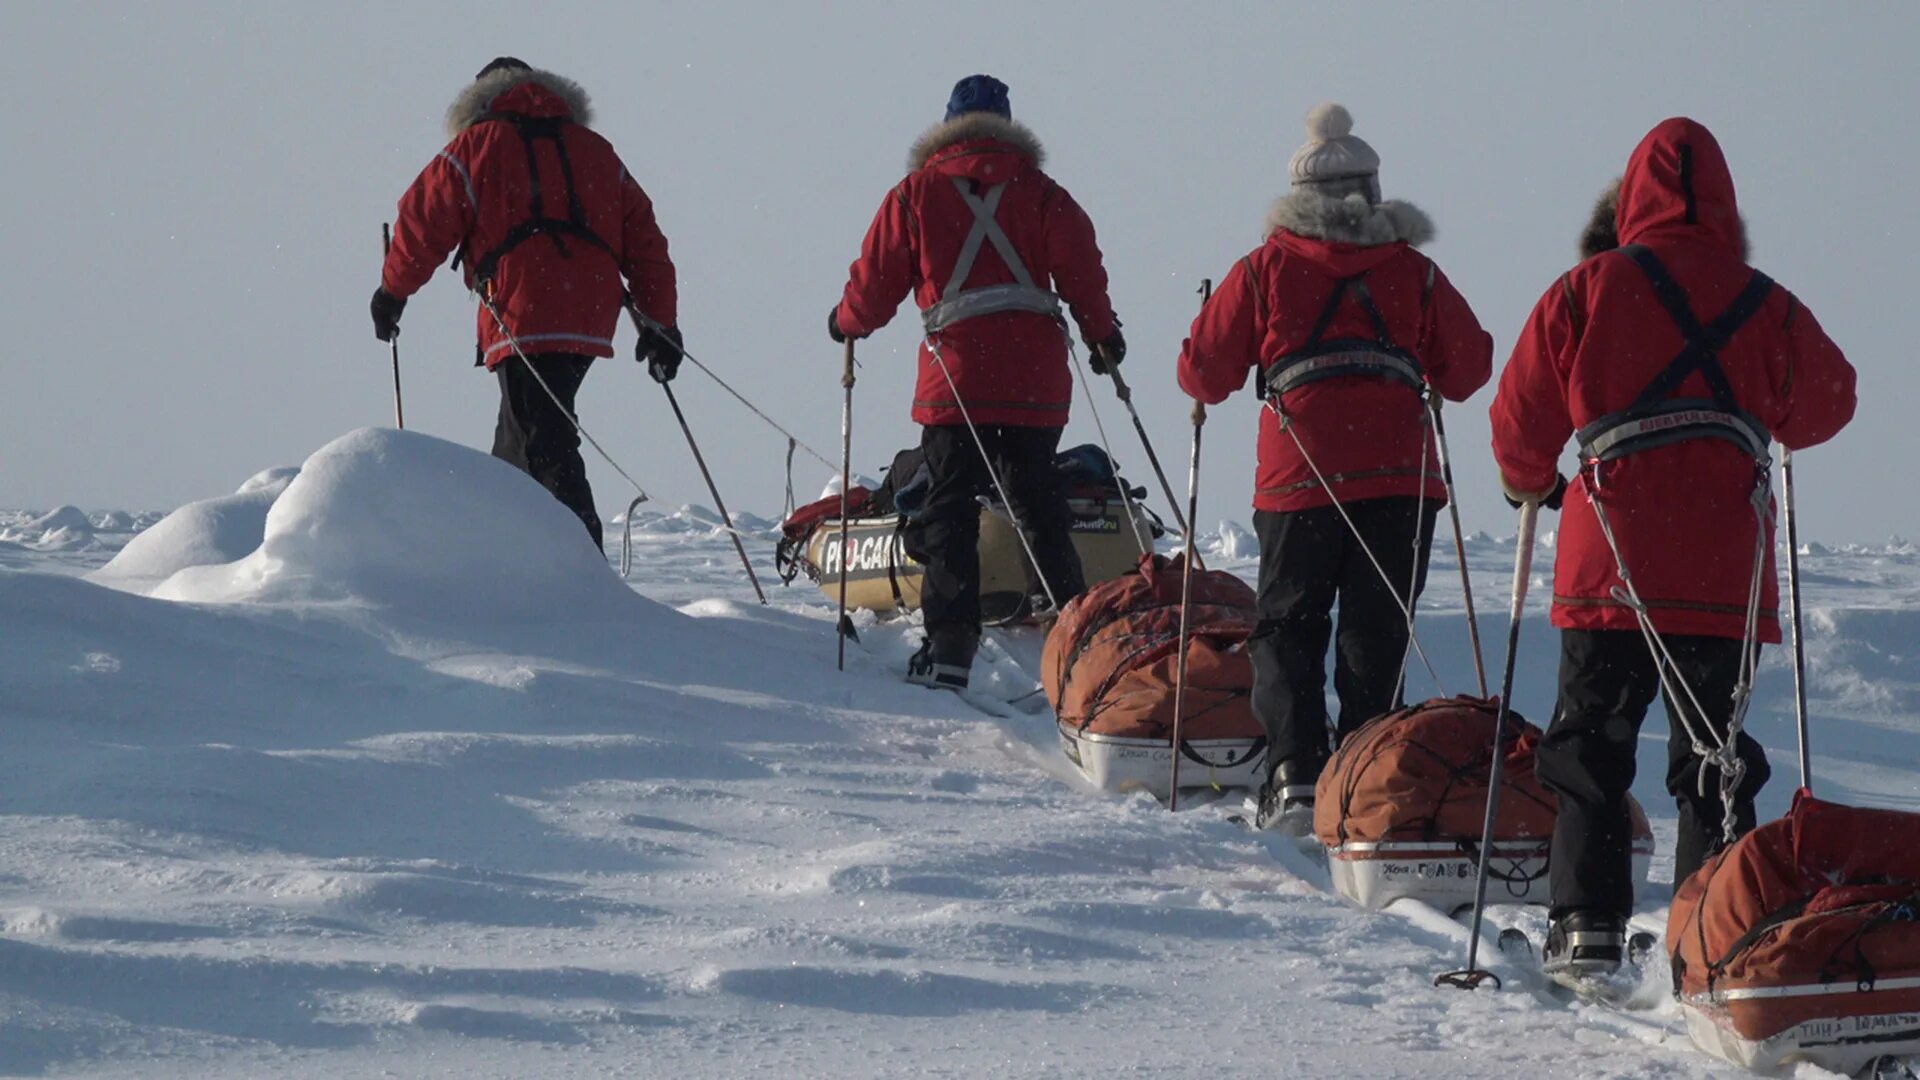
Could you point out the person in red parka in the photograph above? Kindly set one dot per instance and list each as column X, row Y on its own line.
column 989, row 246
column 1674, row 364
column 1346, row 328
column 548, row 223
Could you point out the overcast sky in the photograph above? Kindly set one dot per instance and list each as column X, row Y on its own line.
column 194, row 191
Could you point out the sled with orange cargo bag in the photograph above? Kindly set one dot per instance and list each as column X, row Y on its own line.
column 1401, row 805
column 1801, row 941
column 1108, row 669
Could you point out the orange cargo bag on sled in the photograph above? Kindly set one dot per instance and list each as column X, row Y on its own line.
column 1401, row 805
column 1800, row 942
column 1109, row 673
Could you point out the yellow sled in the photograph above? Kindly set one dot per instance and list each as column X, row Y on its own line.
column 882, row 578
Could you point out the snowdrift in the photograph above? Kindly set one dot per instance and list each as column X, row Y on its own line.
column 204, row 533
column 396, row 519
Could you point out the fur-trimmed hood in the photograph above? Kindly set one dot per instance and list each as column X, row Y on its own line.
column 976, row 125
column 1602, row 233
column 478, row 97
column 1350, row 219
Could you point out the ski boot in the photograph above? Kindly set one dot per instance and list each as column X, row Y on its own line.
column 1584, row 945
column 1286, row 799
column 945, row 660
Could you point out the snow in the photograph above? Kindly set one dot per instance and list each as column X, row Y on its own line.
column 204, row 533
column 400, row 779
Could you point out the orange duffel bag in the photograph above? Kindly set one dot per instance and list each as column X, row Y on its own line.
column 1109, row 673
column 1401, row 805
column 1801, row 941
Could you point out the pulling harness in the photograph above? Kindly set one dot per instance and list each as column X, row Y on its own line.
column 1379, row 357
column 1321, row 359
column 957, row 302
column 538, row 222
column 1658, row 419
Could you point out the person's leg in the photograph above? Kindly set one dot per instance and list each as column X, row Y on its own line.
column 1607, row 681
column 1026, row 463
column 945, row 539
column 1371, row 648
column 1711, row 667
column 539, row 436
column 1299, row 560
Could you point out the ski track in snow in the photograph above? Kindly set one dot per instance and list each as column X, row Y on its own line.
column 341, row 839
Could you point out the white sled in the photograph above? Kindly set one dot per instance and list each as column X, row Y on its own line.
column 1846, row 1040
column 1122, row 763
column 1441, row 872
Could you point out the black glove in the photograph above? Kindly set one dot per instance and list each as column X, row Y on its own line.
column 1106, row 355
column 833, row 326
column 1550, row 501
column 659, row 349
column 386, row 314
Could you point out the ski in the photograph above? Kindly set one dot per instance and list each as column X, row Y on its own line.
column 1634, row 986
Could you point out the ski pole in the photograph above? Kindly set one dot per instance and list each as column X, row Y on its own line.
column 1459, row 539
column 844, row 627
column 1799, row 629
column 399, row 414
column 640, row 325
column 1186, row 583
column 1470, row 977
column 1125, row 394
column 719, row 503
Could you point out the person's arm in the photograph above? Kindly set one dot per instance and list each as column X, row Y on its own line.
column 1079, row 273
column 644, row 261
column 434, row 216
column 1456, row 350
column 1224, row 343
column 1815, row 382
column 884, row 274
column 1531, row 421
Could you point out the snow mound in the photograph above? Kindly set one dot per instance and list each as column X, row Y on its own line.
column 399, row 520
column 114, row 521
column 71, row 518
column 205, row 533
column 1234, row 542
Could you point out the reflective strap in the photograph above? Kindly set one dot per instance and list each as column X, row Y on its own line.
column 994, row 298
column 1838, row 986
column 957, row 302
column 1680, row 420
column 1347, row 358
column 466, row 178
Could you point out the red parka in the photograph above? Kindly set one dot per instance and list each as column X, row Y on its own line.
column 1366, row 433
column 1599, row 337
column 480, row 188
column 1010, row 367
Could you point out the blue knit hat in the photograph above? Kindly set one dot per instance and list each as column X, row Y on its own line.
column 979, row 93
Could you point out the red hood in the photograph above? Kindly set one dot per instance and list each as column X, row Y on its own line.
column 986, row 160
column 531, row 99
column 1340, row 259
column 1677, row 182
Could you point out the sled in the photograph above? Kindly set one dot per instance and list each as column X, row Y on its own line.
column 883, row 578
column 1108, row 669
column 1801, row 941
column 1401, row 805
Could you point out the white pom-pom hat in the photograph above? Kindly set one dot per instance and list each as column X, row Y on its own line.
column 1333, row 151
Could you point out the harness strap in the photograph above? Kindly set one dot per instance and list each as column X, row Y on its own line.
column 539, row 223
column 1321, row 359
column 1656, row 418
column 957, row 302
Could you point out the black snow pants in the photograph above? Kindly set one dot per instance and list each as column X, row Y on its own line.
column 1607, row 681
column 537, row 436
column 1308, row 559
column 945, row 536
